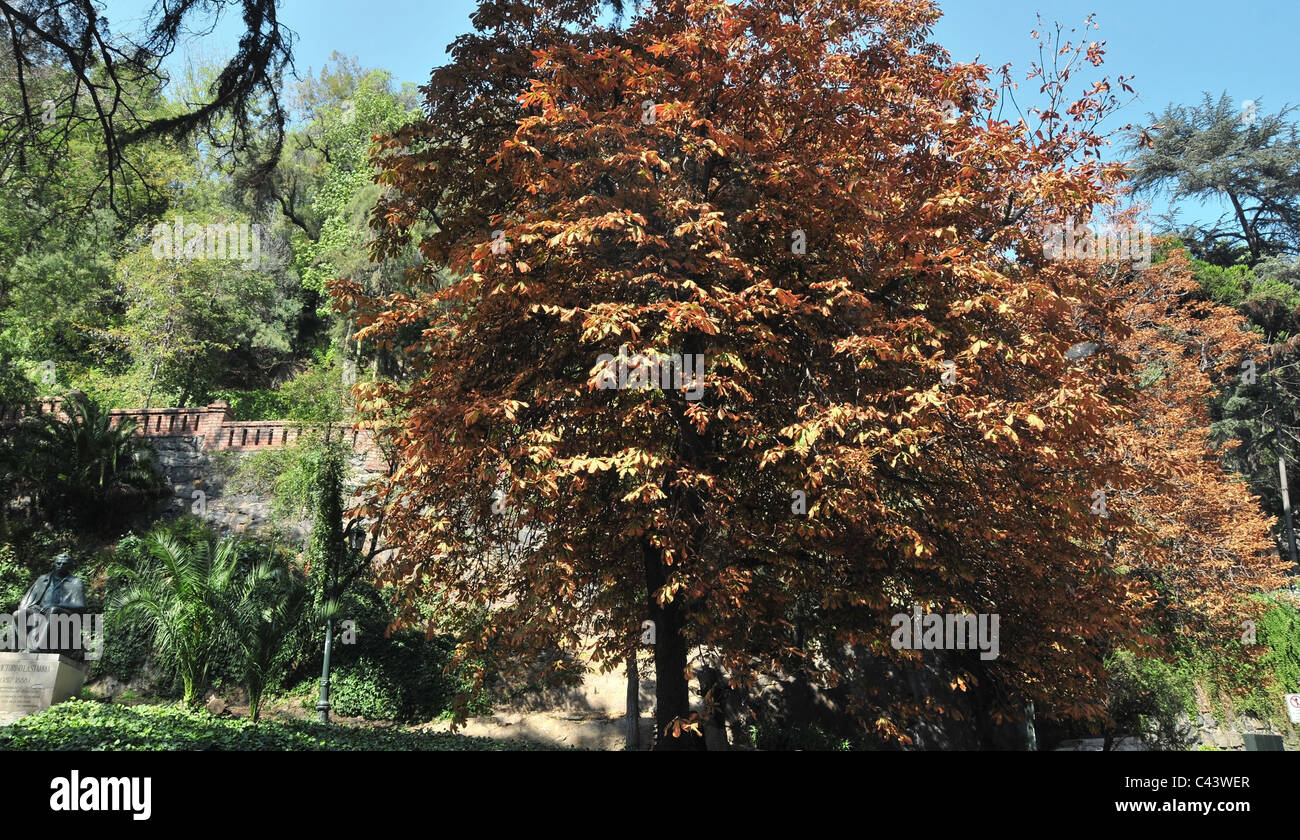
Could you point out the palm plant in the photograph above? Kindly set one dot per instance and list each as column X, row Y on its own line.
column 83, row 461
column 261, row 609
column 177, row 594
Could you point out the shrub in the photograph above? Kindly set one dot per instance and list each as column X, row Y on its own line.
column 13, row 579
column 286, row 475
column 315, row 395
column 1249, row 679
column 1279, row 631
column 808, row 737
column 85, row 725
column 256, row 404
column 129, row 644
column 1146, row 698
column 1228, row 286
column 396, row 678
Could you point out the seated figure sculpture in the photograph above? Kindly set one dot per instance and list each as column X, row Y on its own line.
column 56, row 594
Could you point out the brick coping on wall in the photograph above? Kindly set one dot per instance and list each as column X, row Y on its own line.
column 212, row 425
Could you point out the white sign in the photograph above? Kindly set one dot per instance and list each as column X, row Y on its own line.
column 1293, row 707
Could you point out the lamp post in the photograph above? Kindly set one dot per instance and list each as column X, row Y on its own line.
column 356, row 540
column 323, row 704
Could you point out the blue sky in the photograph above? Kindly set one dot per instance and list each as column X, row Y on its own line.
column 1176, row 50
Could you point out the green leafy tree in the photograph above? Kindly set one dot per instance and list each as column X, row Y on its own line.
column 188, row 322
column 331, row 562
column 1225, row 151
column 328, row 193
column 74, row 55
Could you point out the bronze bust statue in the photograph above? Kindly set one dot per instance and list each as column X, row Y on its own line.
column 57, row 593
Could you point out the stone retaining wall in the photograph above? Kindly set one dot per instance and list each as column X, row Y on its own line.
column 187, row 442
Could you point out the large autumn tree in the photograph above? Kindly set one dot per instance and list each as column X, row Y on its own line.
column 816, row 201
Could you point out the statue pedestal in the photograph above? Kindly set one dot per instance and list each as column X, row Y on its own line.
column 32, row 682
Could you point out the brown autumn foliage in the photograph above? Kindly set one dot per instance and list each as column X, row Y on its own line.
column 1211, row 539
column 671, row 227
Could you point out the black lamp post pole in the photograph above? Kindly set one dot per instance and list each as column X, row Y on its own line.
column 323, row 705
column 357, row 542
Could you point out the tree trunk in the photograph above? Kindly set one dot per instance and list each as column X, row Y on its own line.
column 189, row 384
column 672, row 683
column 672, row 676
column 153, row 377
column 714, row 696
column 633, row 703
